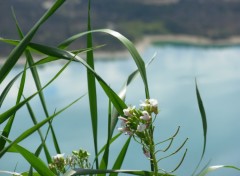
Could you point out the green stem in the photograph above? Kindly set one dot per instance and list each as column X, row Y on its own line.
column 153, row 160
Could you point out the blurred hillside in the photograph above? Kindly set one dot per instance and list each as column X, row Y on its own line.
column 215, row 19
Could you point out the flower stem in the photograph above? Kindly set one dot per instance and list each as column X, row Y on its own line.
column 153, row 160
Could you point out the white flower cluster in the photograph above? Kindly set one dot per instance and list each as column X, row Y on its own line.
column 138, row 120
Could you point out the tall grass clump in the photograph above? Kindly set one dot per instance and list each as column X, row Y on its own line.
column 137, row 121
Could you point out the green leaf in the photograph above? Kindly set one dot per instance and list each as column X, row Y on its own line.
column 35, row 162
column 43, row 144
column 56, row 52
column 37, row 83
column 128, row 44
column 31, row 130
column 98, row 171
column 92, row 93
column 4, row 116
column 104, row 161
column 7, row 89
column 8, row 126
column 19, row 49
column 121, row 156
column 204, row 119
column 110, row 142
column 214, row 168
column 204, row 125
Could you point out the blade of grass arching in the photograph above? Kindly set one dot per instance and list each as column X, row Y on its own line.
column 99, row 171
column 204, row 119
column 7, row 89
column 110, row 142
column 41, row 96
column 56, row 52
column 8, row 126
column 48, row 58
column 214, row 168
column 34, row 120
column 37, row 83
column 92, row 93
column 204, row 124
column 127, row 43
column 104, row 161
column 4, row 116
column 121, row 156
column 35, row 162
column 33, row 129
column 19, row 49
column 27, row 133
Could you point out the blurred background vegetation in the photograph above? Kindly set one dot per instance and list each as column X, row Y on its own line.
column 214, row 19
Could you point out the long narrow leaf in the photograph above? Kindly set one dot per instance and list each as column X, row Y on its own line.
column 37, row 83
column 33, row 117
column 36, row 162
column 204, row 119
column 92, row 93
column 128, row 44
column 14, row 109
column 121, row 156
column 19, row 49
column 204, row 125
column 31, row 130
column 104, row 161
column 7, row 89
column 4, row 116
column 110, row 142
column 131, row 172
column 56, row 52
column 214, row 168
column 8, row 126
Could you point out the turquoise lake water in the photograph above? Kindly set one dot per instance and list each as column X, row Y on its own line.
column 171, row 79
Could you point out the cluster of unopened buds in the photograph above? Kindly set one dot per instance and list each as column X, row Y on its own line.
column 136, row 122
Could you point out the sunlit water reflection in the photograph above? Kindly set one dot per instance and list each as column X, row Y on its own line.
column 171, row 79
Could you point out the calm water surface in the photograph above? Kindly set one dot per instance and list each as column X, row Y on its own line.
column 172, row 81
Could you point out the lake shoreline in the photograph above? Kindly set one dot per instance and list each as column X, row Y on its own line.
column 141, row 45
column 184, row 40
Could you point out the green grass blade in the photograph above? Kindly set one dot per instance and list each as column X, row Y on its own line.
column 7, row 89
column 128, row 44
column 204, row 125
column 127, row 172
column 33, row 117
column 19, row 49
column 204, row 119
column 4, row 116
column 104, row 161
column 121, row 156
column 110, row 142
column 92, row 93
column 56, row 52
column 8, row 127
column 33, row 129
column 35, row 162
column 37, row 83
column 214, row 168
column 48, row 58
